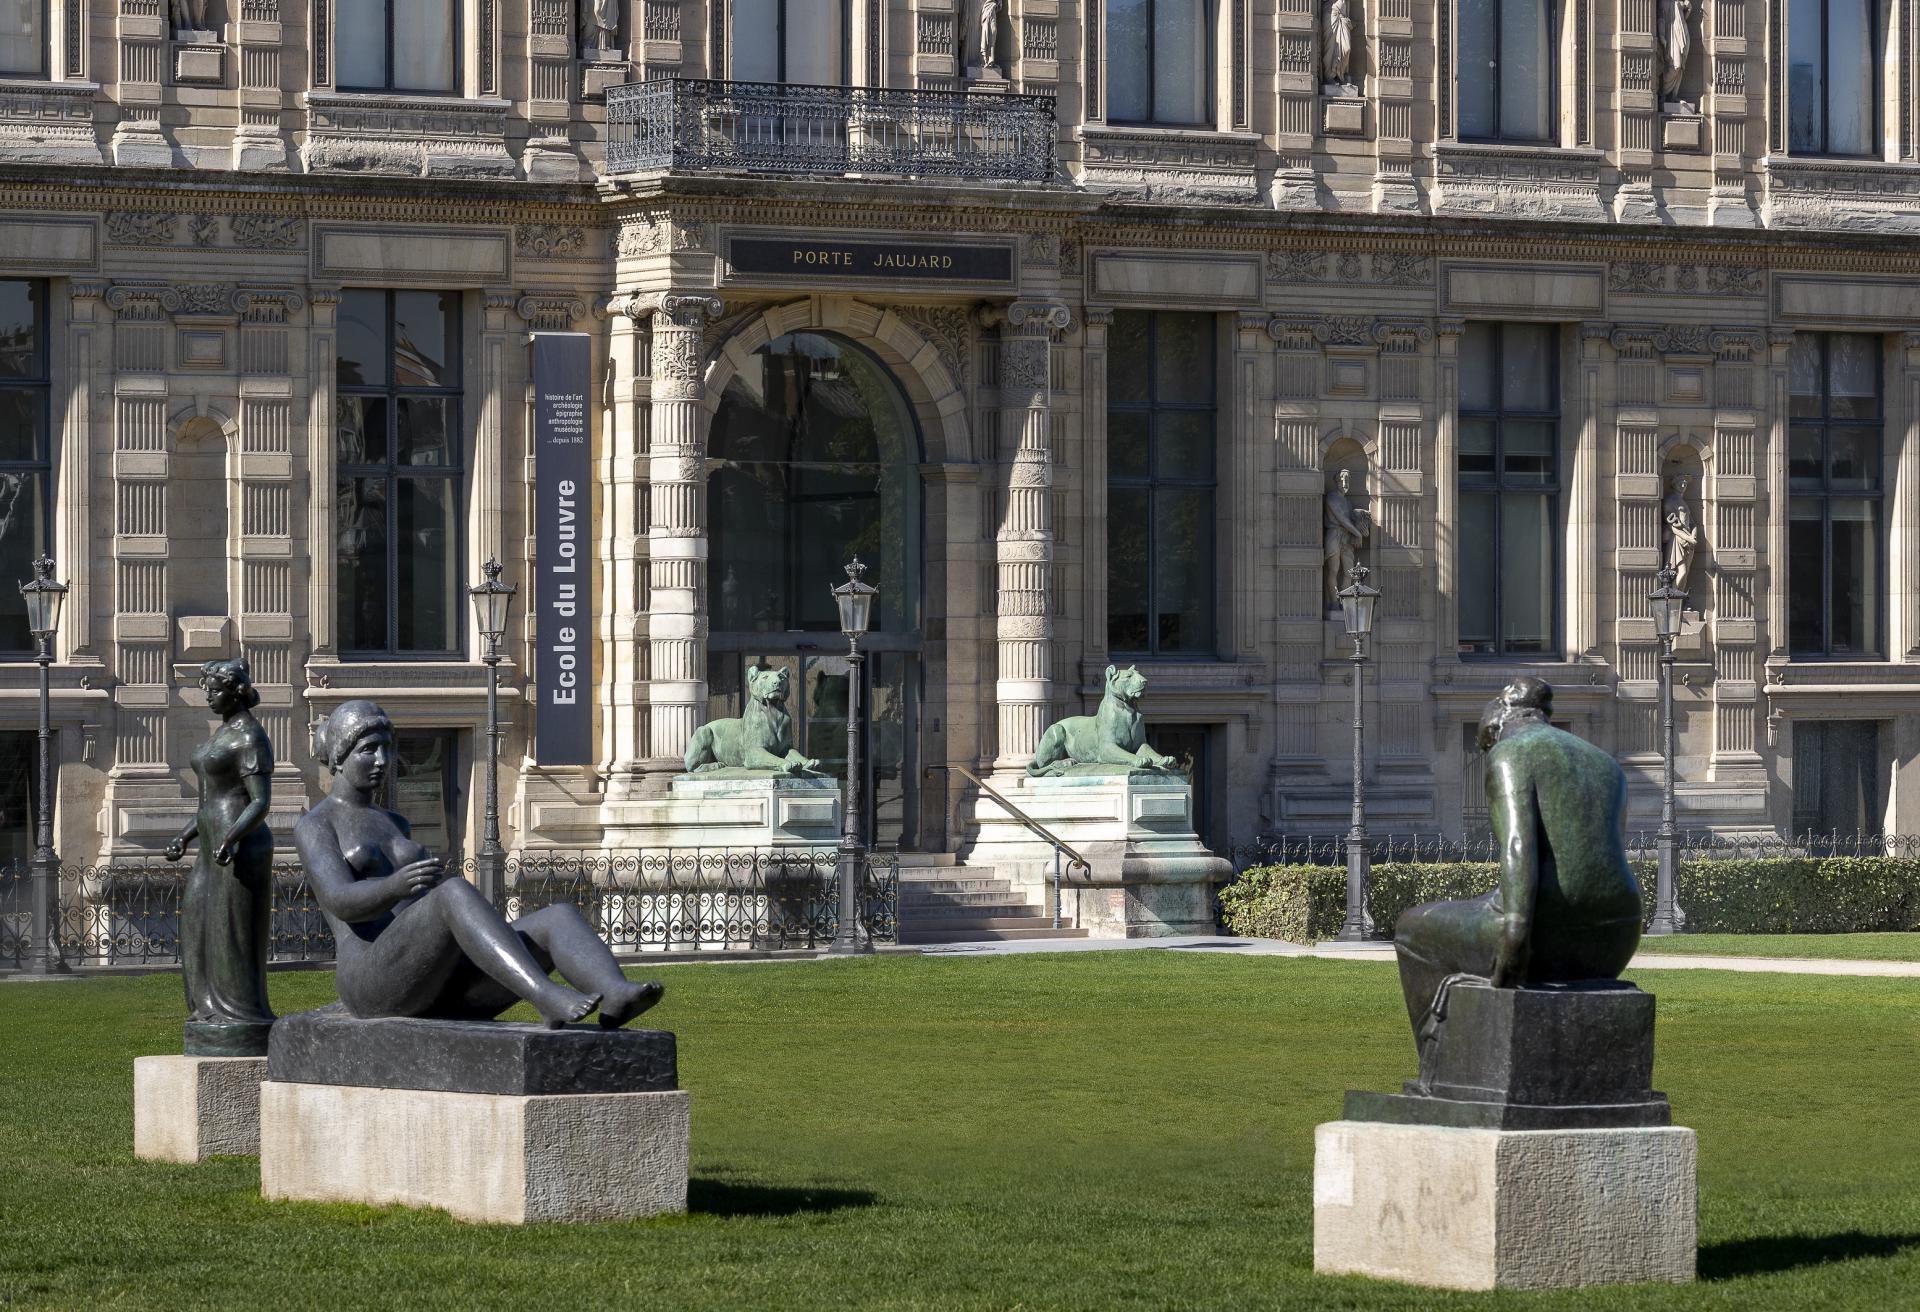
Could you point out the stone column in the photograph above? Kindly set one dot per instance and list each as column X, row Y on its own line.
column 1774, row 494
column 1446, row 489
column 1904, row 584
column 1250, row 551
column 73, row 549
column 623, row 474
column 1093, row 475
column 1583, row 499
column 322, row 365
column 1023, row 544
column 677, row 531
column 499, row 331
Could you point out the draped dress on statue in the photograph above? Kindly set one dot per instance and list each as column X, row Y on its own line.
column 226, row 912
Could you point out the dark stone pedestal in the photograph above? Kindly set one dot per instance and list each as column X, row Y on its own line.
column 1555, row 1057
column 331, row 1046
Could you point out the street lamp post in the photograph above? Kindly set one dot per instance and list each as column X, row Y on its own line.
column 1667, row 604
column 1357, row 601
column 855, row 600
column 492, row 602
column 45, row 597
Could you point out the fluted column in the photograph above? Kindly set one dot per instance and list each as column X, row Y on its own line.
column 1023, row 544
column 677, row 532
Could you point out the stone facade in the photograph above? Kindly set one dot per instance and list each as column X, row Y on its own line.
column 197, row 207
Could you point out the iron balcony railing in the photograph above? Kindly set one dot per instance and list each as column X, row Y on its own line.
column 693, row 124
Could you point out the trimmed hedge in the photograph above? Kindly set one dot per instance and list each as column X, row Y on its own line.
column 1775, row 895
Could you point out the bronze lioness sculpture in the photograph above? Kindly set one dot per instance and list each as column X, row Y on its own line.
column 761, row 741
column 1114, row 736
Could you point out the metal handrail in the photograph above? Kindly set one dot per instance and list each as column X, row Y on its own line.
column 1033, row 826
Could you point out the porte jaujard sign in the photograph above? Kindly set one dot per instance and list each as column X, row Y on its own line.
column 563, row 538
column 912, row 261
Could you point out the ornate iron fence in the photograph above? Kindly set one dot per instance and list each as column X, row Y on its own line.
column 770, row 127
column 1331, row 849
column 127, row 913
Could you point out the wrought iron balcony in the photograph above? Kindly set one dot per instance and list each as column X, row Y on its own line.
column 685, row 124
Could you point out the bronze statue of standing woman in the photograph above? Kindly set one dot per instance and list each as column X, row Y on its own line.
column 226, row 910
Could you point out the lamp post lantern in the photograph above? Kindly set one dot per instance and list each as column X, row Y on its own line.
column 855, row 599
column 492, row 603
column 1667, row 605
column 45, row 597
column 1357, row 601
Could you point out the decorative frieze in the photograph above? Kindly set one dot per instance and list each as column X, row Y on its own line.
column 415, row 137
column 1379, row 268
column 1172, row 165
column 550, row 241
column 1519, row 181
column 1846, row 196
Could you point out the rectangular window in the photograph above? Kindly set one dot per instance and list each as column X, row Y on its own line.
column 400, row 464
column 1839, row 787
column 387, row 45
column 1160, row 62
column 424, row 786
column 1507, row 76
column 1161, row 420
column 26, row 457
column 1834, row 519
column 19, row 797
column 1833, row 77
column 803, row 42
column 23, row 38
column 1509, row 472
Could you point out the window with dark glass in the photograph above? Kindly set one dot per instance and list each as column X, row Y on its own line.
column 400, row 458
column 1835, row 574
column 1839, row 784
column 423, row 786
column 398, row 45
column 1833, row 77
column 803, row 42
column 1160, row 62
column 1506, row 84
column 26, row 457
column 1162, row 413
column 1509, row 457
column 23, row 38
column 19, row 797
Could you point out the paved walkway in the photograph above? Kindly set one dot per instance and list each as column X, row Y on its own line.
column 1266, row 947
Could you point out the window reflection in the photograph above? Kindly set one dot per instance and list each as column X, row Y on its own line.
column 1834, row 532
column 26, row 466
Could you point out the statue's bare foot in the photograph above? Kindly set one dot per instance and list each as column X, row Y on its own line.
column 622, row 1004
column 562, row 1006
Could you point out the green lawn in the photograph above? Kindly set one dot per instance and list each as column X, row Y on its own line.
column 1112, row 1130
column 1823, row 947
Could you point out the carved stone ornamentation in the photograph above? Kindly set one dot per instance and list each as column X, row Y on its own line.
column 141, row 227
column 947, row 329
column 549, row 313
column 266, row 231
column 549, row 241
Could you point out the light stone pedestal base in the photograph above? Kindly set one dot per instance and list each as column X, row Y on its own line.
column 483, row 1157
column 1504, row 1209
column 187, row 1109
column 1152, row 876
column 722, row 811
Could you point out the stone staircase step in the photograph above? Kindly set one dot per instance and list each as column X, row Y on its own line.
column 989, row 898
column 931, row 937
column 946, row 887
column 1030, row 920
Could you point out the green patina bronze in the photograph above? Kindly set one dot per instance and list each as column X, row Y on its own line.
column 227, row 906
column 1112, row 741
column 1568, row 907
column 758, row 745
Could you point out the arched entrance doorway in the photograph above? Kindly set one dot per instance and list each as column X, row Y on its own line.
column 814, row 457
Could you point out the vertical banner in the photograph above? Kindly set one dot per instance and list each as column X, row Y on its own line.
column 563, row 549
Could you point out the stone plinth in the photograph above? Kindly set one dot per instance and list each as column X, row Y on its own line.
column 187, row 1109
column 723, row 811
column 491, row 1122
column 1152, row 876
column 1558, row 1056
column 1504, row 1209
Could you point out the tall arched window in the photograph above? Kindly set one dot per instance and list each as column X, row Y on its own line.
column 798, row 41
column 814, row 458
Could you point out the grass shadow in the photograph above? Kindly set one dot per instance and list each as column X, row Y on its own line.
column 1768, row 1254
column 732, row 1198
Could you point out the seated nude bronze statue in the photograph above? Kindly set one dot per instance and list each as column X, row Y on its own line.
column 1568, row 907
column 413, row 941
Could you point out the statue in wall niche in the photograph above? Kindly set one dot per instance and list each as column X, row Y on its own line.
column 1336, row 50
column 601, row 20
column 757, row 745
column 189, row 15
column 1347, row 528
column 226, row 908
column 414, row 941
column 992, row 16
column 1113, row 740
column 1568, row 907
column 1675, row 44
column 1683, row 532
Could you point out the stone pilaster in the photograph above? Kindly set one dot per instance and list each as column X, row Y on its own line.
column 73, row 548
column 500, row 329
column 1024, row 541
column 258, row 142
column 1583, row 497
column 1773, row 492
column 266, row 613
column 323, row 364
column 677, row 528
column 1093, row 482
column 623, row 542
column 1904, row 581
column 1446, row 486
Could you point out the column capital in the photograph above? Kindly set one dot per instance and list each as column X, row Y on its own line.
column 689, row 310
column 551, row 313
column 1031, row 318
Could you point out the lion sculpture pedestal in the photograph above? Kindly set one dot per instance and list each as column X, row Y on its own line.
column 1097, row 785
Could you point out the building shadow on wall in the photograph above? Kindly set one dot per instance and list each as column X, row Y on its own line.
column 1767, row 1254
column 722, row 1197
